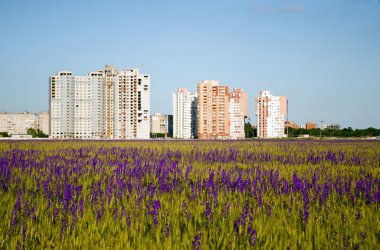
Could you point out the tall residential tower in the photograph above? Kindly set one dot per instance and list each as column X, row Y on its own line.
column 238, row 110
column 213, row 108
column 184, row 114
column 110, row 103
column 270, row 111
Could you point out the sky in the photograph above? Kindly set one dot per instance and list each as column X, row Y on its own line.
column 324, row 55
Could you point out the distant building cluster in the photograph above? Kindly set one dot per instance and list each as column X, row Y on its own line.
column 115, row 104
column 210, row 113
column 19, row 123
column 105, row 104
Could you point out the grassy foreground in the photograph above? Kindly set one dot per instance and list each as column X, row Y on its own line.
column 190, row 194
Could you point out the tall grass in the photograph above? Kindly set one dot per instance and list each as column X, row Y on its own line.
column 201, row 195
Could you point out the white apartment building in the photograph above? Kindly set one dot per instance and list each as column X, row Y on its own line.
column 110, row 103
column 236, row 120
column 270, row 112
column 184, row 114
column 17, row 123
column 238, row 110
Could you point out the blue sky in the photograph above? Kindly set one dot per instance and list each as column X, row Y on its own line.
column 323, row 55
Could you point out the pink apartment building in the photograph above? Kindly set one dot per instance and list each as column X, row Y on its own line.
column 242, row 98
column 213, row 108
column 270, row 111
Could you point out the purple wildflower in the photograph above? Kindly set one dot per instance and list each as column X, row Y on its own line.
column 67, row 196
column 208, row 212
column 128, row 220
column 167, row 233
column 376, row 197
column 197, row 241
column 154, row 212
column 23, row 232
column 81, row 207
column 358, row 215
column 252, row 235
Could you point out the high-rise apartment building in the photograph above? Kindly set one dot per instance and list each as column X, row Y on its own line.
column 242, row 98
column 184, row 114
column 109, row 103
column 128, row 104
column 238, row 110
column 213, row 109
column 270, row 111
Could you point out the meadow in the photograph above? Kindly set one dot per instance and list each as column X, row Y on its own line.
column 300, row 194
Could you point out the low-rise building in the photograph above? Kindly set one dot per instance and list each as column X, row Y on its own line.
column 330, row 126
column 310, row 125
column 161, row 124
column 17, row 123
column 43, row 122
column 291, row 124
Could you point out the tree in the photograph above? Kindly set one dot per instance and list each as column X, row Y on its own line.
column 34, row 133
column 345, row 132
column 157, row 135
column 249, row 131
column 4, row 134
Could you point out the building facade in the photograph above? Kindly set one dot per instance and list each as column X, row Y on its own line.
column 109, row 103
column 238, row 110
column 291, row 124
column 161, row 124
column 43, row 122
column 242, row 97
column 213, row 110
column 310, row 125
column 17, row 123
column 185, row 114
column 270, row 111
column 333, row 126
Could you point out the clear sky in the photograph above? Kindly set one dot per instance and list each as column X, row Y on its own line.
column 323, row 55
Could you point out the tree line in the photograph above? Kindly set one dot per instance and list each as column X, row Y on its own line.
column 345, row 132
column 31, row 131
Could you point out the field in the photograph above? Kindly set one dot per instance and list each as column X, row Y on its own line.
column 190, row 194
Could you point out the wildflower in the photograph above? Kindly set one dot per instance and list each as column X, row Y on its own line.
column 23, row 232
column 67, row 196
column 128, row 220
column 154, row 212
column 197, row 241
column 167, row 233
column 208, row 212
column 269, row 211
column 252, row 235
column 376, row 197
column 358, row 215
column 81, row 207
